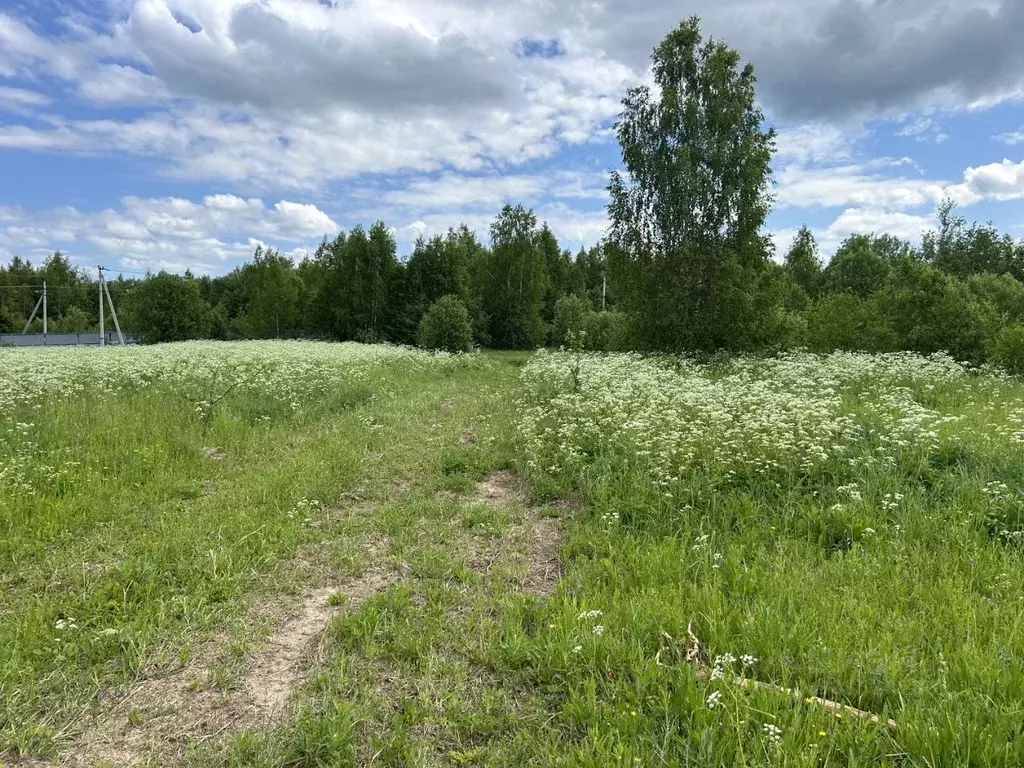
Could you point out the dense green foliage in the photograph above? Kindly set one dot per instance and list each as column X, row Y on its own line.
column 168, row 307
column 446, row 326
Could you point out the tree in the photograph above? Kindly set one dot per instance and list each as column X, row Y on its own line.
column 1003, row 292
column 446, row 326
column 685, row 240
column 358, row 273
column 932, row 311
column 857, row 267
column 272, row 308
column 514, row 281
column 557, row 264
column 803, row 264
column 166, row 307
column 961, row 250
column 443, row 266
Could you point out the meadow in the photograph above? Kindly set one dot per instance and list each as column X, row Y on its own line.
column 307, row 554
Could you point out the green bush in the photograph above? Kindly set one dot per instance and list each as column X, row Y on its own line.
column 848, row 322
column 570, row 321
column 446, row 326
column 606, row 332
column 167, row 307
column 1007, row 348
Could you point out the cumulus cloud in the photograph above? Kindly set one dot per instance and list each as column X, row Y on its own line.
column 995, row 181
column 366, row 86
column 356, row 54
column 159, row 232
column 858, row 184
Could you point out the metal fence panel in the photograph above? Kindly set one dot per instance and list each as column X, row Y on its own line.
column 58, row 339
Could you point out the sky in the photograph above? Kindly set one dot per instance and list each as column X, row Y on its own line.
column 173, row 134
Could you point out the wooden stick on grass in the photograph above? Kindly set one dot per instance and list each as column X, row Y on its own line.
column 703, row 672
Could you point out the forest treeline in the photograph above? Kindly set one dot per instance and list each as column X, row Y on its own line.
column 685, row 267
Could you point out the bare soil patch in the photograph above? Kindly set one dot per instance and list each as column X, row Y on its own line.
column 501, row 488
column 533, row 542
column 281, row 665
column 166, row 711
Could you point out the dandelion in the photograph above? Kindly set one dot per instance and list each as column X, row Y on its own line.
column 822, row 733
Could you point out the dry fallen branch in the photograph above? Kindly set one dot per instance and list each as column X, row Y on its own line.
column 704, row 672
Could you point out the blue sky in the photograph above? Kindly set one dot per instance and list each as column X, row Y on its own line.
column 149, row 134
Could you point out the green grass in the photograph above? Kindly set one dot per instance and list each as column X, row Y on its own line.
column 882, row 571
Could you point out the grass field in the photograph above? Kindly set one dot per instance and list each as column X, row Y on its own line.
column 300, row 554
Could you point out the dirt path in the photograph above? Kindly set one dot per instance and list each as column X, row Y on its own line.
column 163, row 714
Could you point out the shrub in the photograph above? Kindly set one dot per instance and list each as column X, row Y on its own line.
column 571, row 314
column 848, row 322
column 606, row 331
column 446, row 326
column 1007, row 348
column 166, row 307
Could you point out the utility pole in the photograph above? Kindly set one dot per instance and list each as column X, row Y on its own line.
column 44, row 313
column 113, row 312
column 604, row 289
column 103, row 338
column 33, row 315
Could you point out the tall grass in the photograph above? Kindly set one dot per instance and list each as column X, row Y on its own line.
column 852, row 522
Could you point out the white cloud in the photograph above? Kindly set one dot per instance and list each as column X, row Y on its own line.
column 159, row 232
column 452, row 191
column 922, row 128
column 814, row 143
column 20, row 99
column 1013, row 137
column 429, row 112
column 857, row 185
column 995, row 181
column 867, row 220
